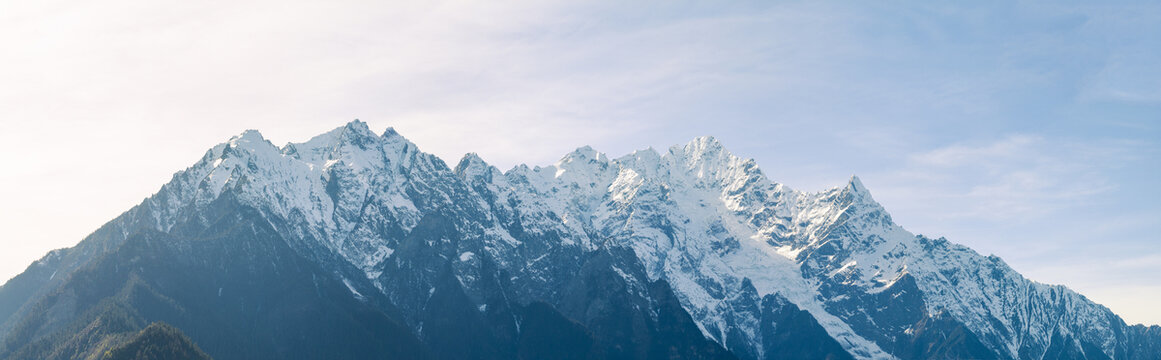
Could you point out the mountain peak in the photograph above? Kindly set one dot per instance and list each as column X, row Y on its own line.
column 583, row 154
column 583, row 162
column 648, row 154
column 855, row 185
column 705, row 143
column 359, row 133
column 854, row 189
column 701, row 148
column 646, row 161
column 706, row 139
column 249, row 135
column 251, row 140
column 472, row 167
column 858, row 193
column 706, row 158
column 357, row 125
column 472, row 158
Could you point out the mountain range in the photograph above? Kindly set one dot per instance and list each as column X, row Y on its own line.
column 359, row 245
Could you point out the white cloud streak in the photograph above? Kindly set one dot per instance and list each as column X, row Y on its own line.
column 1015, row 178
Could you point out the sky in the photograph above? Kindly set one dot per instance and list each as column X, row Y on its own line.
column 1028, row 130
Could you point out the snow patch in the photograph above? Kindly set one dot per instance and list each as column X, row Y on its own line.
column 352, row 289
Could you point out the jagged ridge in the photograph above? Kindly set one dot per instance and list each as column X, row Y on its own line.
column 706, row 222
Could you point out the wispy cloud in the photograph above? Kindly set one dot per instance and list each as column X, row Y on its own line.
column 1059, row 210
column 1017, row 177
column 102, row 102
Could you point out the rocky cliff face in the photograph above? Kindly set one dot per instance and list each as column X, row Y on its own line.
column 691, row 252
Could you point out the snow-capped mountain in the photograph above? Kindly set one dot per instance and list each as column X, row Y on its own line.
column 687, row 252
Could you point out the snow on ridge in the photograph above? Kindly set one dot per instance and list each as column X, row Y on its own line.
column 696, row 215
column 790, row 225
column 472, row 168
column 295, row 183
column 661, row 205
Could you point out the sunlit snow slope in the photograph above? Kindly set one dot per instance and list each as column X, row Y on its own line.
column 730, row 242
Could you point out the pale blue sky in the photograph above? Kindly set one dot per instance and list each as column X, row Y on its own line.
column 1029, row 130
